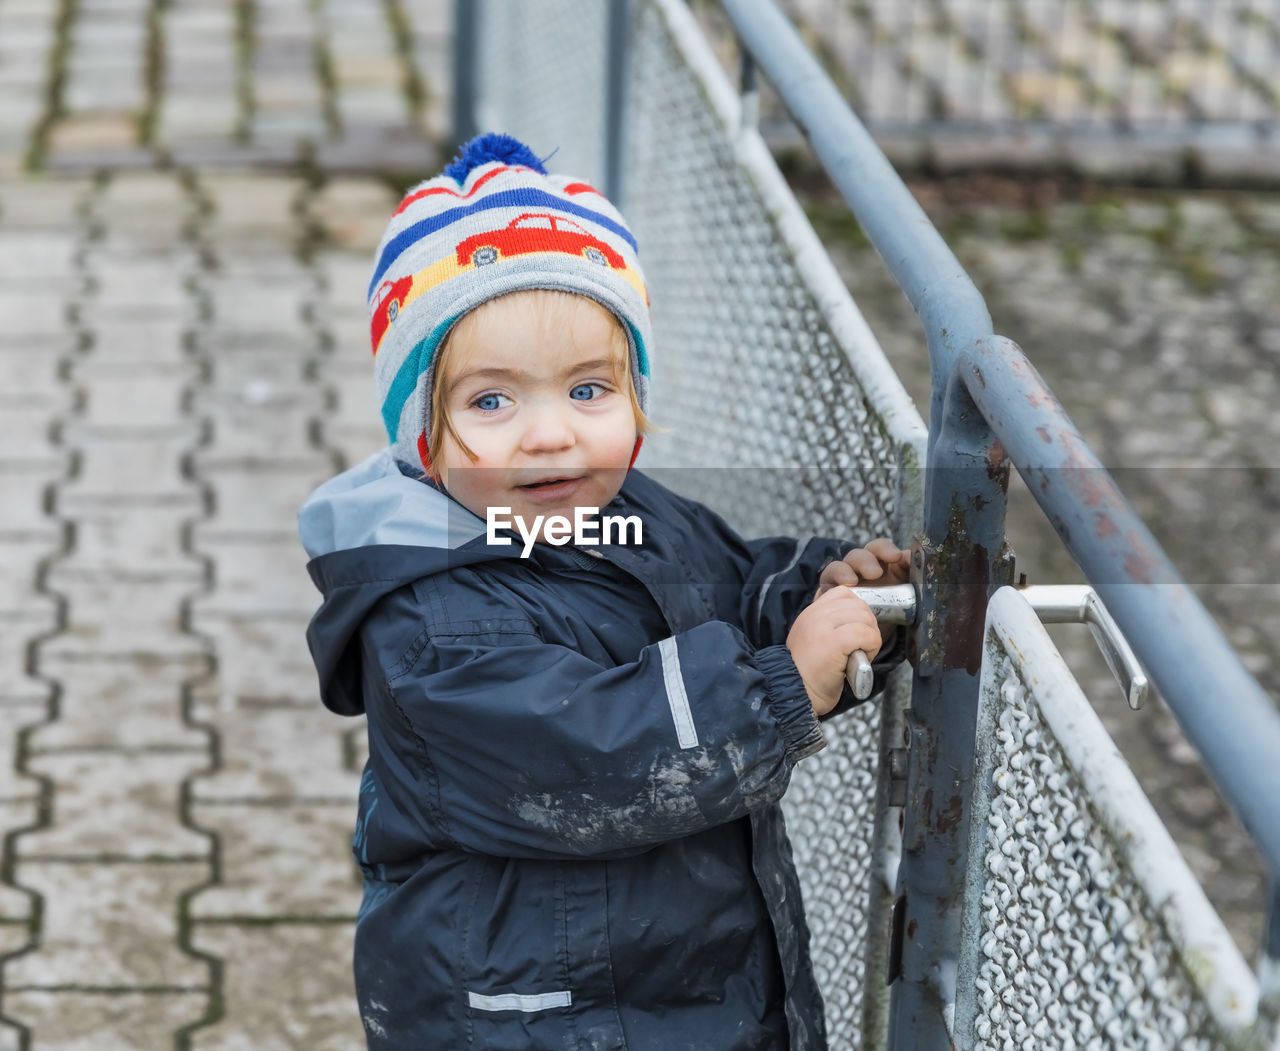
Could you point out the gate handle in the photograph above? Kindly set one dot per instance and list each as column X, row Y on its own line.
column 1079, row 604
column 1053, row 603
column 895, row 604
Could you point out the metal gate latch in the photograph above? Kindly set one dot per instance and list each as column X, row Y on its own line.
column 1079, row 604
column 895, row 604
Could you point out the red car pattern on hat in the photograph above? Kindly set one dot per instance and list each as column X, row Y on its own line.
column 537, row 232
column 386, row 307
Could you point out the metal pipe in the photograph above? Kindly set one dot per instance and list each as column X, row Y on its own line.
column 1225, row 714
column 466, row 52
column 616, row 99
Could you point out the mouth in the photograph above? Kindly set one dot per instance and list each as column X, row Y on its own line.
column 553, row 487
column 545, row 483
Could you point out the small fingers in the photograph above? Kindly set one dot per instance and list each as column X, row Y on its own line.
column 838, row 574
column 881, row 562
column 888, row 552
column 865, row 565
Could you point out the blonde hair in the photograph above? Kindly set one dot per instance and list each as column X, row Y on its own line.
column 547, row 306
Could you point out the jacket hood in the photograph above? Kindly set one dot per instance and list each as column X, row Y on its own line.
column 375, row 503
column 371, row 530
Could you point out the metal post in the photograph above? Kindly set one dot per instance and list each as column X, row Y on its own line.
column 616, row 55
column 957, row 564
column 466, row 53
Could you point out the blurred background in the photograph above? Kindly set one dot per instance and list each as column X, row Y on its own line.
column 190, row 195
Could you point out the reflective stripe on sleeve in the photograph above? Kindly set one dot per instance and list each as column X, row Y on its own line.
column 526, row 1002
column 686, row 734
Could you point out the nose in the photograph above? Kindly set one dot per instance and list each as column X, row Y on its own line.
column 547, row 429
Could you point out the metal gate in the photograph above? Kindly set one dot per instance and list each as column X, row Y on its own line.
column 1083, row 926
column 790, row 420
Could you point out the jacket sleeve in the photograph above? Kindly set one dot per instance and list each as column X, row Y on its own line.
column 776, row 578
column 521, row 748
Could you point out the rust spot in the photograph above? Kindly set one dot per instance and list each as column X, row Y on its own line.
column 997, row 465
column 1045, row 436
column 1089, row 484
column 966, row 588
column 911, row 930
column 949, row 819
column 1139, row 568
column 1106, row 526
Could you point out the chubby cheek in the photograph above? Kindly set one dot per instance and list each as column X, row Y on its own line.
column 613, row 439
column 476, row 484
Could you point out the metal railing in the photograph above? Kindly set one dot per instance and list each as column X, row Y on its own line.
column 740, row 285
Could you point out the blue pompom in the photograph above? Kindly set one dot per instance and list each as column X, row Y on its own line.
column 493, row 146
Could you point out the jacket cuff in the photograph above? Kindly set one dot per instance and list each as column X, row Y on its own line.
column 789, row 703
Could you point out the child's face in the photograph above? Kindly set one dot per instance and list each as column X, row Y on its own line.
column 538, row 390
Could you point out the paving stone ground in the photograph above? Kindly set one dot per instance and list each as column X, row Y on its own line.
column 189, row 196
column 178, row 808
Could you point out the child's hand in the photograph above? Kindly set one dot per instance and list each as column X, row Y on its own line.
column 823, row 637
column 877, row 565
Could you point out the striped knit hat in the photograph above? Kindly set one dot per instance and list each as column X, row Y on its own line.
column 494, row 222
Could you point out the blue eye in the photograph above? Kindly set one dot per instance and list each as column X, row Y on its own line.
column 490, row 402
column 590, row 388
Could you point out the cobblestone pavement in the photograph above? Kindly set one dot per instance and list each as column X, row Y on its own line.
column 178, row 808
column 133, row 83
column 189, row 195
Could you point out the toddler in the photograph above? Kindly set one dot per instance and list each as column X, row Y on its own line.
column 568, row 825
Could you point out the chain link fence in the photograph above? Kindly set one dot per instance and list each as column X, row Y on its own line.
column 785, row 418
column 1084, row 927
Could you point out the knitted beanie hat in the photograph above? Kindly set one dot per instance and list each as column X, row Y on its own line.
column 493, row 222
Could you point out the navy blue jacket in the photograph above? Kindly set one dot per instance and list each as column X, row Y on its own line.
column 569, row 825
